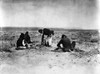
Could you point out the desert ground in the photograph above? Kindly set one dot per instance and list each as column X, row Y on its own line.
column 42, row 60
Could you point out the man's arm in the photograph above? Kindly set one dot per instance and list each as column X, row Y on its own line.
column 60, row 42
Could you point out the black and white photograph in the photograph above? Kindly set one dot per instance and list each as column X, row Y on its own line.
column 49, row 36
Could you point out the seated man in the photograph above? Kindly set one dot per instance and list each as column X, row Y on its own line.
column 20, row 42
column 27, row 37
column 27, row 40
column 66, row 43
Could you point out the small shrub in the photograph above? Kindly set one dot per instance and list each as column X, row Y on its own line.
column 94, row 40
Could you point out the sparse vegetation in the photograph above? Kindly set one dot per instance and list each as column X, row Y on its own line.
column 87, row 45
column 9, row 37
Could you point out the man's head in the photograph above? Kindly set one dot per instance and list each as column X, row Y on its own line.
column 40, row 31
column 22, row 35
column 63, row 36
column 26, row 32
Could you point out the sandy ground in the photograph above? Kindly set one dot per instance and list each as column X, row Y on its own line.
column 41, row 60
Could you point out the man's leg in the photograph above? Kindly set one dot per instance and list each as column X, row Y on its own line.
column 56, row 49
column 66, row 49
column 42, row 39
column 63, row 49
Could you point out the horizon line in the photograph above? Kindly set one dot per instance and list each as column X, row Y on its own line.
column 49, row 27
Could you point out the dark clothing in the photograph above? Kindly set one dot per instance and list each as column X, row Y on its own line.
column 73, row 44
column 19, row 42
column 27, row 39
column 48, row 32
column 66, row 44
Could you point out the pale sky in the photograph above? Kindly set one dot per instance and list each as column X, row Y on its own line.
column 82, row 14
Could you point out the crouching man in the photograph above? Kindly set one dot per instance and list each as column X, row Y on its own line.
column 46, row 32
column 66, row 44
